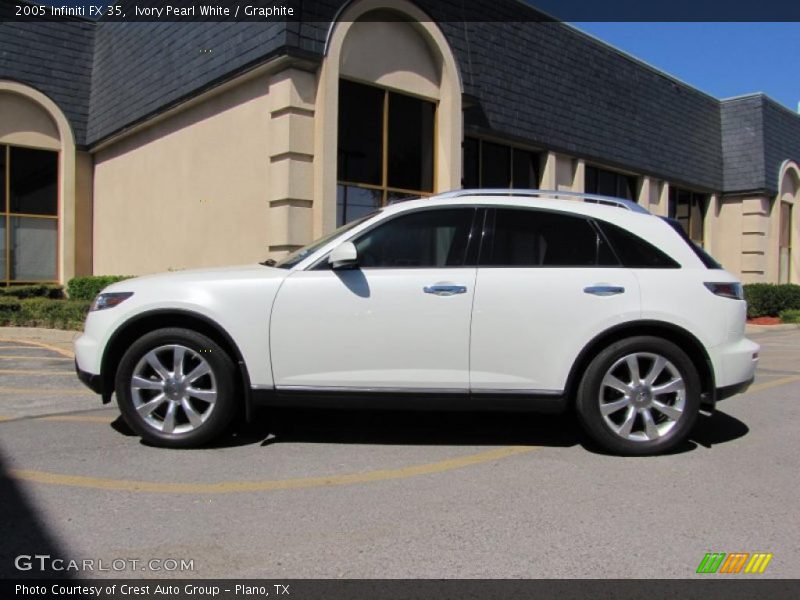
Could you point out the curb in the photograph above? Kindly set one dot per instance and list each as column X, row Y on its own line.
column 771, row 328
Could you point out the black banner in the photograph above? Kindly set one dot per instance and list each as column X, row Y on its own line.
column 397, row 589
column 451, row 10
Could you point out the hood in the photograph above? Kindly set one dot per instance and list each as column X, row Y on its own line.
column 189, row 276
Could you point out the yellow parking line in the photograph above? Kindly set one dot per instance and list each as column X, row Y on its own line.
column 5, row 418
column 23, row 357
column 229, row 487
column 78, row 419
column 34, row 372
column 760, row 387
column 46, row 391
column 30, row 343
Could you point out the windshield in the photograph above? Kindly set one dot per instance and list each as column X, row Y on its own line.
column 301, row 254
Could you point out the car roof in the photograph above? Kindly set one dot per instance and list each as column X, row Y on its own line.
column 581, row 204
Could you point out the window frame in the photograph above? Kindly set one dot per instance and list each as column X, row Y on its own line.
column 785, row 240
column 672, row 210
column 512, row 149
column 7, row 215
column 384, row 188
column 635, row 179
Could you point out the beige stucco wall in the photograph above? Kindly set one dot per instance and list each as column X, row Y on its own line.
column 188, row 191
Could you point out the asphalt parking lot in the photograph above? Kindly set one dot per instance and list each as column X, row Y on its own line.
column 325, row 494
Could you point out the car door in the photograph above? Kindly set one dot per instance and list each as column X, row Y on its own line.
column 547, row 284
column 400, row 320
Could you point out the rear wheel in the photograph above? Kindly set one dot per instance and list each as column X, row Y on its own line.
column 639, row 396
column 175, row 388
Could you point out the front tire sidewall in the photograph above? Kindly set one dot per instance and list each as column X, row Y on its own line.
column 222, row 367
column 588, row 406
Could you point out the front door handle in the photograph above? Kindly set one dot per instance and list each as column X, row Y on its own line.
column 604, row 290
column 445, row 289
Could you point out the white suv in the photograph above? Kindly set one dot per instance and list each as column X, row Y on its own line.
column 498, row 299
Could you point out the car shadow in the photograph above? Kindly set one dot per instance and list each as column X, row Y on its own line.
column 428, row 428
column 275, row 426
column 710, row 430
column 26, row 535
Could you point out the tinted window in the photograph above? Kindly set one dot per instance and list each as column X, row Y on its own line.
column 530, row 238
column 704, row 256
column 410, row 147
column 360, row 133
column 34, row 182
column 633, row 251
column 428, row 238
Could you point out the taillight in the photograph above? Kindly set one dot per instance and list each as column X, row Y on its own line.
column 734, row 291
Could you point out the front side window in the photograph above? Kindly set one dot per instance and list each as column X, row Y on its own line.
column 610, row 183
column 385, row 149
column 422, row 239
column 532, row 238
column 689, row 209
column 28, row 215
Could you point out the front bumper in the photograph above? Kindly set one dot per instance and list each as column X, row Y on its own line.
column 90, row 380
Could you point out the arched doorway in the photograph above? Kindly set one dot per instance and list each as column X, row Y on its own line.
column 389, row 108
column 37, row 177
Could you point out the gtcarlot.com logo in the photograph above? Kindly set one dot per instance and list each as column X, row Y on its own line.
column 45, row 562
column 734, row 563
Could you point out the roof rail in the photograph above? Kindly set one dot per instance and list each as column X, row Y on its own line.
column 595, row 198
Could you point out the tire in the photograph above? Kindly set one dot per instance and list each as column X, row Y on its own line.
column 185, row 411
column 639, row 396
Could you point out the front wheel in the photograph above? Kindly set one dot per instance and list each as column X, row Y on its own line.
column 639, row 396
column 175, row 388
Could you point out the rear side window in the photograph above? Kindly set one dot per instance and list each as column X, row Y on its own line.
column 533, row 238
column 704, row 256
column 634, row 252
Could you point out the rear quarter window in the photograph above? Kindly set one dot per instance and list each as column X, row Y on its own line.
column 634, row 252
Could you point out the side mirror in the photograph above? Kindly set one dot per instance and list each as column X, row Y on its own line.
column 344, row 256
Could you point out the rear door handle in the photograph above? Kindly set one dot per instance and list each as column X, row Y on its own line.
column 604, row 290
column 445, row 289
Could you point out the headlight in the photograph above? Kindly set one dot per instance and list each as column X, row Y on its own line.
column 109, row 300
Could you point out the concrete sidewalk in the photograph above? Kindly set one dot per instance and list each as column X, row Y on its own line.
column 58, row 338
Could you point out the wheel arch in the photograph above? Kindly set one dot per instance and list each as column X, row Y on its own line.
column 149, row 321
column 668, row 331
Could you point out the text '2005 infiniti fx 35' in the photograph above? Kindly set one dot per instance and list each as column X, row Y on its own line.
column 471, row 299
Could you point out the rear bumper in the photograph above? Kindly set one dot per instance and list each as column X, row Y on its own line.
column 734, row 363
column 731, row 390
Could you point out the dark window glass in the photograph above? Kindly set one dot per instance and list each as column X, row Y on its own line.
column 471, row 178
column 3, row 180
column 708, row 260
column 530, row 238
column 34, row 181
column 633, row 251
column 410, row 135
column 495, row 166
column 360, row 133
column 429, row 238
column 354, row 202
column 491, row 165
column 610, row 183
column 525, row 172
